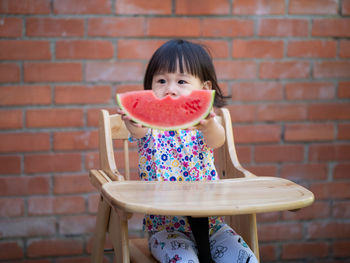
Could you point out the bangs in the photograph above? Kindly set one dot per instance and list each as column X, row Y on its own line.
column 178, row 60
column 179, row 56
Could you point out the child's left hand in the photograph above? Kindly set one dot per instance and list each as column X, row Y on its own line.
column 205, row 123
column 213, row 131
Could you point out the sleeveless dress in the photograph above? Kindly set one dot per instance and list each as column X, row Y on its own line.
column 180, row 155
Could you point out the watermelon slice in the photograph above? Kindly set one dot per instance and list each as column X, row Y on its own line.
column 167, row 113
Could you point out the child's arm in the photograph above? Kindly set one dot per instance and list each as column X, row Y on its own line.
column 213, row 131
column 136, row 130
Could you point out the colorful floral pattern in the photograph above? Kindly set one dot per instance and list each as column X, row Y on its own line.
column 175, row 156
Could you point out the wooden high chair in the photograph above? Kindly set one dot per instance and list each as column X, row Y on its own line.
column 238, row 197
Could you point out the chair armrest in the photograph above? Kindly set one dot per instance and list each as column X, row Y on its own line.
column 245, row 172
column 229, row 164
column 99, row 178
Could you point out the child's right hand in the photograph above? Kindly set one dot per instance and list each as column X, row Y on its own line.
column 136, row 129
column 128, row 120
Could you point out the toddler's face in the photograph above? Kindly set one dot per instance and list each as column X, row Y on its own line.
column 176, row 84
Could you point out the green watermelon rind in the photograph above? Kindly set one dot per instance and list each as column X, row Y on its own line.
column 172, row 128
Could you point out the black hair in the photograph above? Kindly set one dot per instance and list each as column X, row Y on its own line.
column 192, row 58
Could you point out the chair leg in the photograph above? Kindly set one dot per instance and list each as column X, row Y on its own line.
column 254, row 236
column 118, row 231
column 245, row 225
column 139, row 252
column 100, row 231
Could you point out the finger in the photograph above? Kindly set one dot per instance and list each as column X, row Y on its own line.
column 212, row 114
column 122, row 114
column 138, row 125
column 126, row 118
column 120, row 111
column 203, row 122
column 134, row 123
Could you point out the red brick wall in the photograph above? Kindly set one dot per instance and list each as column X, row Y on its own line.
column 285, row 63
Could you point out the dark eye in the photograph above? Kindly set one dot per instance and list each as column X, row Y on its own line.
column 161, row 81
column 182, row 81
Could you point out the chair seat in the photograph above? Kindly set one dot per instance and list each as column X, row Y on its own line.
column 208, row 198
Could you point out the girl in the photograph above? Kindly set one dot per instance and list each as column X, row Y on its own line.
column 175, row 69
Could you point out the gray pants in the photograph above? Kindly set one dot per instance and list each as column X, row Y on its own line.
column 177, row 247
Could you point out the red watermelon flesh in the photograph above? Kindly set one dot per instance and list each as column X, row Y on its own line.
column 167, row 113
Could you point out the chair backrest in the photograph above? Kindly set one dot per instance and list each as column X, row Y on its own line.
column 112, row 127
column 226, row 160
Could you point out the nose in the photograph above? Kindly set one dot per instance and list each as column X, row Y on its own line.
column 171, row 90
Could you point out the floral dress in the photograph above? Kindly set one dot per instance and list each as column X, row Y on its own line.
column 180, row 155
